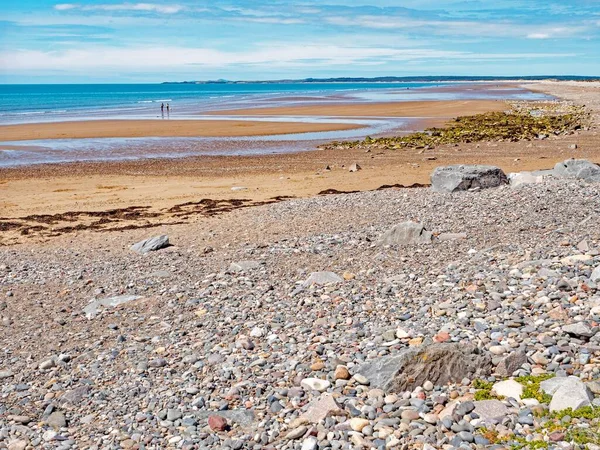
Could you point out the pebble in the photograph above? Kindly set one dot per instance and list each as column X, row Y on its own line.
column 258, row 358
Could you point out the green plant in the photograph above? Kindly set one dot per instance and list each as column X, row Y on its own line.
column 531, row 387
column 484, row 390
column 517, row 124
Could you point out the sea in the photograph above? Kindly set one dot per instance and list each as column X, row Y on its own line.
column 75, row 102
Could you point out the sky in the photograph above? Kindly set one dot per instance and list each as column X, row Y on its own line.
column 45, row 41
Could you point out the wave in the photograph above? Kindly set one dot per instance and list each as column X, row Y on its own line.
column 156, row 101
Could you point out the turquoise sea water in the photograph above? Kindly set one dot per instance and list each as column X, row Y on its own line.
column 37, row 103
column 33, row 103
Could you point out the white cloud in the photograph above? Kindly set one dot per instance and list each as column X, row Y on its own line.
column 272, row 20
column 458, row 27
column 65, row 6
column 173, row 59
column 538, row 36
column 150, row 7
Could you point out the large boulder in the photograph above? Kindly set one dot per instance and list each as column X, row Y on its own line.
column 439, row 363
column 567, row 392
column 578, row 168
column 406, row 233
column 463, row 177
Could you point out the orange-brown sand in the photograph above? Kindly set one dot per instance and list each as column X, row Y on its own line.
column 159, row 128
column 435, row 108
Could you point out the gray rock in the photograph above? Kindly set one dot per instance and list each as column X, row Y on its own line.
column 158, row 363
column 595, row 277
column 577, row 168
column 47, row 364
column 151, row 244
column 406, row 233
column 75, row 396
column 174, row 414
column 438, row 363
column 322, row 278
column 551, row 386
column 464, row 177
column 296, row 433
column 5, row 374
column 594, row 386
column 580, row 329
column 571, row 393
column 490, row 410
column 511, row 363
column 57, row 420
column 95, row 306
column 243, row 266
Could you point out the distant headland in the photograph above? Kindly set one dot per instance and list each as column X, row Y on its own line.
column 390, row 79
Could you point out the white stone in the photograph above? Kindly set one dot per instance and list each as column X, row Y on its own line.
column 257, row 332
column 357, row 424
column 575, row 259
column 243, row 266
column 310, row 443
column 508, row 388
column 497, row 349
column 402, row 334
column 522, row 178
column 315, row 384
column 322, row 278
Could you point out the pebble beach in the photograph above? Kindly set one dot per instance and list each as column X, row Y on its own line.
column 432, row 317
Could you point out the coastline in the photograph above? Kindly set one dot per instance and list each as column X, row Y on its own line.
column 213, row 127
column 159, row 185
column 160, row 128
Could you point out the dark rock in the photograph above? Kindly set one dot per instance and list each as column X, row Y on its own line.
column 438, row 363
column 511, row 363
column 75, row 396
column 464, row 177
column 150, row 245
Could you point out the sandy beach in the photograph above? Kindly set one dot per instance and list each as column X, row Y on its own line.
column 160, row 128
column 436, row 110
column 72, row 191
column 430, row 109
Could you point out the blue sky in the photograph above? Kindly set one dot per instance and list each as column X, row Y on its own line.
column 115, row 41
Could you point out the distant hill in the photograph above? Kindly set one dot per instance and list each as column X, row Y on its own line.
column 423, row 79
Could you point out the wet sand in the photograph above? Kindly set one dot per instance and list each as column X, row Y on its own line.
column 433, row 109
column 160, row 128
column 237, row 128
